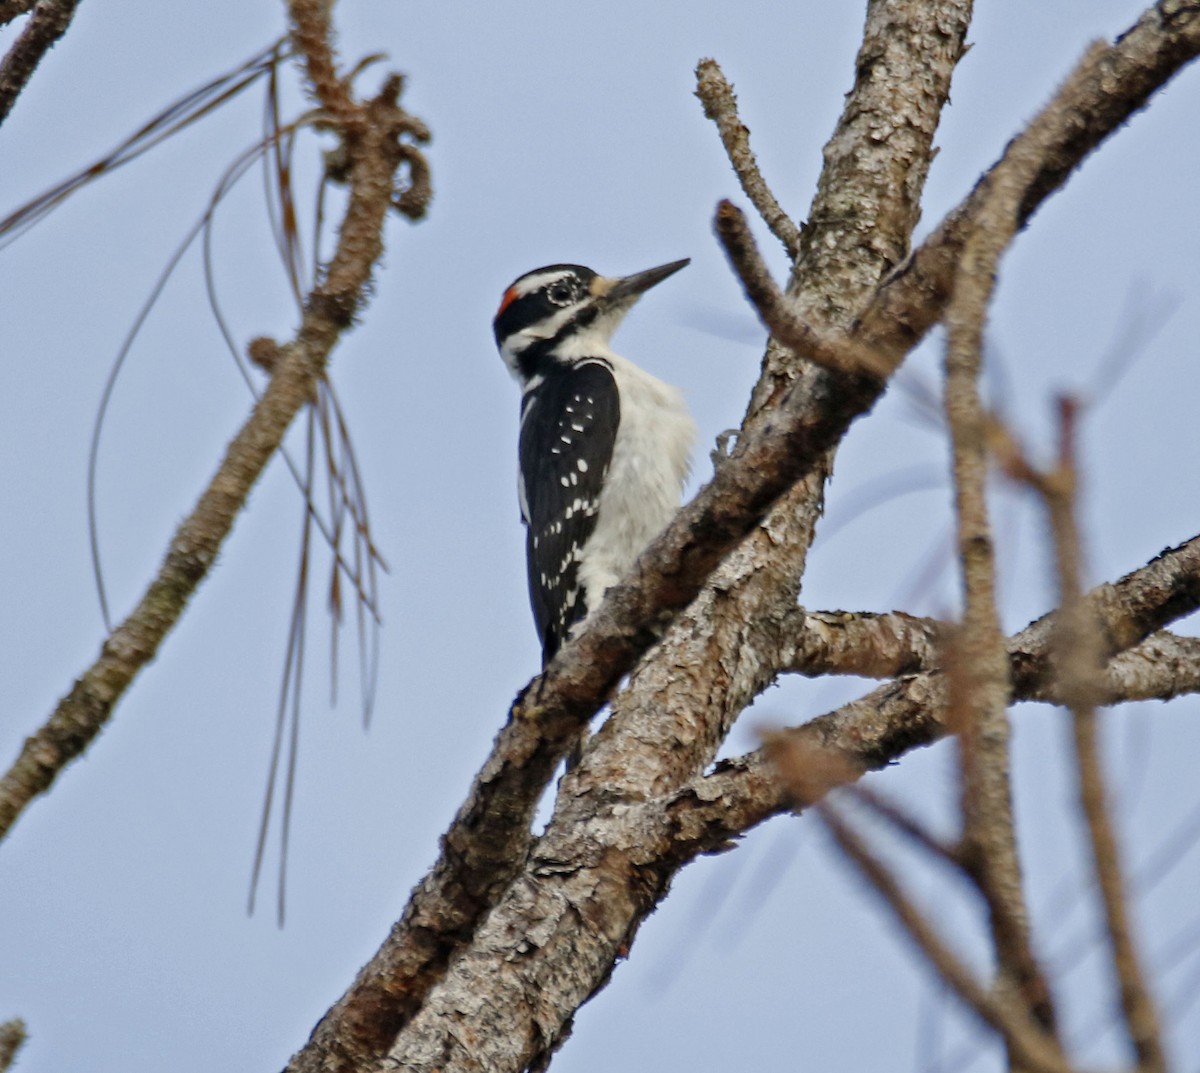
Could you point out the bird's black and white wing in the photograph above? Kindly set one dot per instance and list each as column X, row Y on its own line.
column 568, row 429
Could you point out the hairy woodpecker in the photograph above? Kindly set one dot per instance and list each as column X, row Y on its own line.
column 604, row 446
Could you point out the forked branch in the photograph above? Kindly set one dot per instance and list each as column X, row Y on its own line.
column 486, row 841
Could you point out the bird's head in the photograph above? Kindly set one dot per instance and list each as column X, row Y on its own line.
column 561, row 313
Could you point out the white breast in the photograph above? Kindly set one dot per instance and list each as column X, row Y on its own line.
column 650, row 463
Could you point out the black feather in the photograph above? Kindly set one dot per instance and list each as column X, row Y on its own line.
column 568, row 418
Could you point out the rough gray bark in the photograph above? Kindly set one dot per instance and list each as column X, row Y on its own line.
column 504, row 938
column 555, row 936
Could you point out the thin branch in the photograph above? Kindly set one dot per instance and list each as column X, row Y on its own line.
column 906, row 824
column 312, row 34
column 892, row 644
column 720, row 105
column 1078, row 666
column 177, row 116
column 329, row 312
column 1027, row 1042
column 46, row 25
column 877, row 730
column 979, row 671
column 989, row 830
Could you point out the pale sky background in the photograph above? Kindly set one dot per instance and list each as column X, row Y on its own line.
column 561, row 133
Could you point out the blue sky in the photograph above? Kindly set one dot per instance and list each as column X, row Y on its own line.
column 561, row 133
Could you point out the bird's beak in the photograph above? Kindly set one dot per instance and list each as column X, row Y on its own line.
column 630, row 287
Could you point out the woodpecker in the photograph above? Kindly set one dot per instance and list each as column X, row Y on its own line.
column 604, row 446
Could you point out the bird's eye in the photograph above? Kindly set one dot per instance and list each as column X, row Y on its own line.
column 560, row 293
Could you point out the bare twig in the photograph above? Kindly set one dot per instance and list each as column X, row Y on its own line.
column 177, row 116
column 1027, row 1041
column 906, row 824
column 978, row 674
column 720, row 105
column 47, row 23
column 1078, row 666
column 980, row 686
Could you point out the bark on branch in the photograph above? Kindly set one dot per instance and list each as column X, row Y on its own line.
column 375, row 153
column 47, row 23
column 720, row 105
column 797, row 417
column 870, row 644
column 879, row 728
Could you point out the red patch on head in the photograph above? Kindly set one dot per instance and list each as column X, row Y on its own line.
column 510, row 296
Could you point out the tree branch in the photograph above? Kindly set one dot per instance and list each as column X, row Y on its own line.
column 1086, row 111
column 46, row 25
column 312, row 34
column 836, row 352
column 877, row 729
column 892, row 644
column 1161, row 667
column 797, row 414
column 14, row 9
column 720, row 105
column 486, row 840
column 865, row 643
column 374, row 157
column 611, row 870
column 978, row 672
column 1078, row 666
